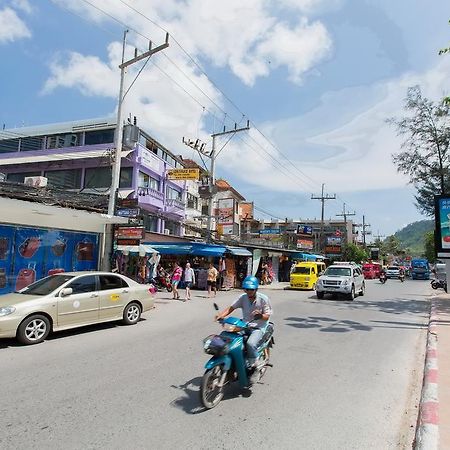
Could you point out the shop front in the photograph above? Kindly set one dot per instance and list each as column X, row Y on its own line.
column 231, row 262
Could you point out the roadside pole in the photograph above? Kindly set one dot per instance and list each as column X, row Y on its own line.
column 119, row 126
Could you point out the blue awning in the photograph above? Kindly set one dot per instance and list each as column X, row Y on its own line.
column 239, row 251
column 190, row 248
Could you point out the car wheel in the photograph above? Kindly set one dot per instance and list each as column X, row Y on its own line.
column 363, row 289
column 351, row 296
column 131, row 314
column 319, row 294
column 33, row 330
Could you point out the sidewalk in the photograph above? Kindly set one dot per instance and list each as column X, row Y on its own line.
column 433, row 430
column 277, row 286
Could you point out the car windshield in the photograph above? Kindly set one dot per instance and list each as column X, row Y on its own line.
column 46, row 285
column 393, row 268
column 420, row 265
column 338, row 271
column 302, row 270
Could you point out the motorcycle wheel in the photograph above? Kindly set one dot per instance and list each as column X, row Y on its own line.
column 169, row 288
column 434, row 285
column 210, row 393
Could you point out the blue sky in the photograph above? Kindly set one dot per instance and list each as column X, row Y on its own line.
column 317, row 78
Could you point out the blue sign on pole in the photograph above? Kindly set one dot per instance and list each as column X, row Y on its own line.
column 270, row 231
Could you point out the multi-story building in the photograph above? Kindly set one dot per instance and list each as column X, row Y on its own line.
column 77, row 156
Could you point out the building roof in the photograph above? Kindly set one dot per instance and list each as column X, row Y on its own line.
column 223, row 185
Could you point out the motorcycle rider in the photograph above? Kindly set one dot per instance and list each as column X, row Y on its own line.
column 256, row 308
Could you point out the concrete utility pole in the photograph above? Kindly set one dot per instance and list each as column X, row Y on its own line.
column 212, row 156
column 322, row 198
column 344, row 215
column 119, row 127
column 364, row 232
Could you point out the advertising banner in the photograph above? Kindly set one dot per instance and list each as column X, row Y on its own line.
column 334, row 250
column 183, row 174
column 334, row 240
column 225, row 211
column 304, row 229
column 6, row 258
column 442, row 218
column 130, row 233
column 306, row 244
column 270, row 231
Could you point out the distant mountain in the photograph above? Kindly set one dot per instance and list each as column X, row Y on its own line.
column 411, row 237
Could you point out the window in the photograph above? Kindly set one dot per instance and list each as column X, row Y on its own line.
column 151, row 223
column 63, row 140
column 111, row 282
column 31, row 143
column 146, row 181
column 192, row 201
column 126, row 177
column 68, row 179
column 83, row 285
column 204, row 210
column 100, row 177
column 99, row 137
column 20, row 177
column 172, row 227
column 9, row 145
column 173, row 193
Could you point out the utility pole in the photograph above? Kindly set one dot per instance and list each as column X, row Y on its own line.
column 345, row 214
column 322, row 198
column 364, row 232
column 119, row 127
column 212, row 156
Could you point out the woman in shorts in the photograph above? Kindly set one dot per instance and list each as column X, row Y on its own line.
column 212, row 279
column 176, row 278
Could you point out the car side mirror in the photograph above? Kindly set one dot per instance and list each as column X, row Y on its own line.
column 65, row 292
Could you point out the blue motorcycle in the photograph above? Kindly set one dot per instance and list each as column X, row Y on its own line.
column 228, row 363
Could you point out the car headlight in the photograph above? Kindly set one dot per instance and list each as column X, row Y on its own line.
column 306, row 278
column 5, row 311
column 345, row 282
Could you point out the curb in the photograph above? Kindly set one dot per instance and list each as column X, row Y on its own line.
column 427, row 432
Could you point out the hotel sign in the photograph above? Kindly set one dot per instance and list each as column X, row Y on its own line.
column 183, row 174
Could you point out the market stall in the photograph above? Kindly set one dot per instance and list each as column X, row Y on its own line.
column 138, row 262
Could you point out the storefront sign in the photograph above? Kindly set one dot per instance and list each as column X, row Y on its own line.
column 128, row 202
column 333, row 249
column 128, row 241
column 128, row 212
column 333, row 240
column 442, row 224
column 270, row 231
column 151, row 161
column 183, row 174
column 130, row 233
column 305, row 244
column 227, row 230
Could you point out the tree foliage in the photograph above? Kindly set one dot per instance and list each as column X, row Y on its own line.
column 425, row 155
column 430, row 250
column 353, row 252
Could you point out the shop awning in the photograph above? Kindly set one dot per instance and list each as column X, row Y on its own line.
column 239, row 251
column 191, row 248
column 143, row 249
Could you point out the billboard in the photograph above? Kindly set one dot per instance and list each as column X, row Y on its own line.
column 304, row 229
column 306, row 244
column 225, row 211
column 442, row 225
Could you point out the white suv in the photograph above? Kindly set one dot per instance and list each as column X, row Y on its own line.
column 341, row 278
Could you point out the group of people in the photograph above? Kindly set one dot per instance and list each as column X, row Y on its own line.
column 187, row 276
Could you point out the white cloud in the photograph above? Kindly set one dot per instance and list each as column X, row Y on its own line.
column 310, row 6
column 12, row 27
column 23, row 5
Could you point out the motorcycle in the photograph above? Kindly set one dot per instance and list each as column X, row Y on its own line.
column 163, row 282
column 383, row 278
column 401, row 277
column 228, row 362
column 439, row 284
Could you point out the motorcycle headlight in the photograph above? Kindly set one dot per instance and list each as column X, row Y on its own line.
column 5, row 311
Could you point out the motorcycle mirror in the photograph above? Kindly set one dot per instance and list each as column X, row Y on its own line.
column 216, row 306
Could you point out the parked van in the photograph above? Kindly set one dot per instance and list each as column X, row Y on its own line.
column 305, row 274
column 371, row 270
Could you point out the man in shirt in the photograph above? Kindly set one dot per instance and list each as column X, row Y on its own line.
column 256, row 308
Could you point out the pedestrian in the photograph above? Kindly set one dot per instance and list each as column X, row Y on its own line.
column 189, row 280
column 176, row 278
column 212, row 279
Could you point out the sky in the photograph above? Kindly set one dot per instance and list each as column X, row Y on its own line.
column 317, row 80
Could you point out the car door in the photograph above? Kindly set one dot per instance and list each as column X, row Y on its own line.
column 359, row 279
column 114, row 295
column 81, row 307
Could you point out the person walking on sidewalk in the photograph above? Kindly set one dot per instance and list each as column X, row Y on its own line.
column 212, row 279
column 189, row 280
column 176, row 278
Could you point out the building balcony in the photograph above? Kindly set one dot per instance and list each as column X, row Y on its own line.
column 174, row 203
column 144, row 192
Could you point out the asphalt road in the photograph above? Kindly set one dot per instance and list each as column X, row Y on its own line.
column 346, row 375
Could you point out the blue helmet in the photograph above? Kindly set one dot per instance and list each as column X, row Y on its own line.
column 250, row 282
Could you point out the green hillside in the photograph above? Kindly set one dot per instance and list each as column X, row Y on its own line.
column 411, row 237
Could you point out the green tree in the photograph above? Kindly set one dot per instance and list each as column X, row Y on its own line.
column 353, row 252
column 426, row 147
column 392, row 246
column 430, row 250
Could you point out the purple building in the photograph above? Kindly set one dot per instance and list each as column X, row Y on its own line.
column 77, row 156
